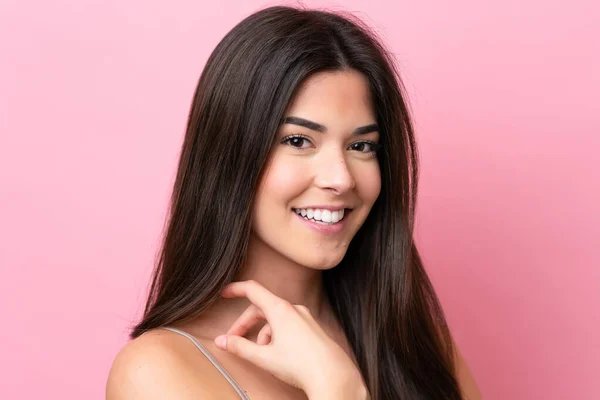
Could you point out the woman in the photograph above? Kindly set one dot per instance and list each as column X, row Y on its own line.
column 288, row 258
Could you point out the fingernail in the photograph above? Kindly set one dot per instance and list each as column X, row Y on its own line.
column 221, row 342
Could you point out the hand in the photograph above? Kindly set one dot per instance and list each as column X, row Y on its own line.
column 291, row 345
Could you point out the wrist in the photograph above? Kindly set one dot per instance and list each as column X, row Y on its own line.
column 342, row 385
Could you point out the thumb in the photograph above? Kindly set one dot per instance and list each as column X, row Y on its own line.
column 241, row 347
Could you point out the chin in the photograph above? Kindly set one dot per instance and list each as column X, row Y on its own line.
column 321, row 263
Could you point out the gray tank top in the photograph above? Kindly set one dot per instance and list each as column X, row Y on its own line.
column 212, row 360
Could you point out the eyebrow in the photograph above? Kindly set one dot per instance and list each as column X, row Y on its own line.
column 322, row 128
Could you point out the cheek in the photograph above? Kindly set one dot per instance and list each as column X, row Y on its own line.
column 368, row 183
column 283, row 181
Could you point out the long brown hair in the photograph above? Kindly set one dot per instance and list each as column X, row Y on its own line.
column 380, row 290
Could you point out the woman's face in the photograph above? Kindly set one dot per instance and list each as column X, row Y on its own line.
column 323, row 168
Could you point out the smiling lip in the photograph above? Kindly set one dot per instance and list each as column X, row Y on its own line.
column 330, row 207
column 326, row 229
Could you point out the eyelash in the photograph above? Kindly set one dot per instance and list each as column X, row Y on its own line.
column 376, row 146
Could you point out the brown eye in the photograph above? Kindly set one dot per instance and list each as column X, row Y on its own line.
column 296, row 141
column 365, row 146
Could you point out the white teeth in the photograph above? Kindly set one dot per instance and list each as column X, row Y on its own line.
column 335, row 216
column 325, row 216
column 317, row 214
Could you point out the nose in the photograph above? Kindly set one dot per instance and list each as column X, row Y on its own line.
column 332, row 173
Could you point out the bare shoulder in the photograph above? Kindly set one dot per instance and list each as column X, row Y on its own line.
column 161, row 364
column 468, row 385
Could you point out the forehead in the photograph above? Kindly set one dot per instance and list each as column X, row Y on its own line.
column 334, row 97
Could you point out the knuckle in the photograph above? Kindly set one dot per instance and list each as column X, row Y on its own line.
column 282, row 307
column 252, row 283
column 302, row 309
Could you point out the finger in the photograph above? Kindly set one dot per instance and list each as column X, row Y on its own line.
column 250, row 317
column 242, row 348
column 256, row 293
column 264, row 336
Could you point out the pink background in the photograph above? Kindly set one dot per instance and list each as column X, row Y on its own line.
column 94, row 97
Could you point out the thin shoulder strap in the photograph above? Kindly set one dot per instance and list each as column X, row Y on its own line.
column 213, row 361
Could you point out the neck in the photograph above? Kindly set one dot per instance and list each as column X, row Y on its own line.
column 281, row 276
column 284, row 278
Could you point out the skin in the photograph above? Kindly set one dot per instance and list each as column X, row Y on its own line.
column 274, row 328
